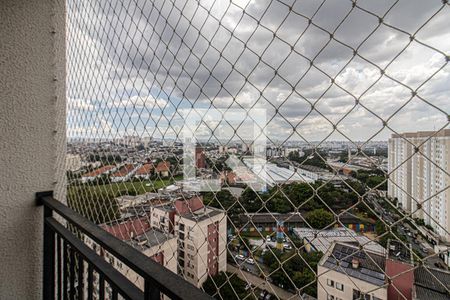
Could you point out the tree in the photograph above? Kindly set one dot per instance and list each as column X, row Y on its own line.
column 293, row 269
column 98, row 207
column 223, row 199
column 270, row 257
column 250, row 200
column 226, row 286
column 319, row 218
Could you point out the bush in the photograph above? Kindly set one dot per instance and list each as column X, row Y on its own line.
column 227, row 288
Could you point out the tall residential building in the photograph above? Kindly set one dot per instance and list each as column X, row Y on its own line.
column 201, row 233
column 419, row 164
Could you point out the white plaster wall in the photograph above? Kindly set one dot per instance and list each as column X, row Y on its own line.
column 32, row 135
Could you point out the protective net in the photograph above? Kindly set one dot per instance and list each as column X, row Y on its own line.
column 266, row 149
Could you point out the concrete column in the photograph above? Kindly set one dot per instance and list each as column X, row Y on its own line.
column 32, row 135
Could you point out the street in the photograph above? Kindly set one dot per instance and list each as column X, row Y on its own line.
column 403, row 229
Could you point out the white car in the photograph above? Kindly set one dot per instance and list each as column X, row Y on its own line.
column 240, row 257
column 250, row 261
column 287, row 247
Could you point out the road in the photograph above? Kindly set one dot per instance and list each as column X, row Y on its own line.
column 261, row 283
column 403, row 230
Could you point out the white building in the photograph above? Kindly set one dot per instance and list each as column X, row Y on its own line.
column 419, row 164
column 345, row 272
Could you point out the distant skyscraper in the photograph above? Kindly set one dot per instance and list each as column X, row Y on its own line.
column 419, row 180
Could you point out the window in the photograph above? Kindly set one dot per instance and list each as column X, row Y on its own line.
column 339, row 286
column 356, row 294
column 330, row 282
column 330, row 297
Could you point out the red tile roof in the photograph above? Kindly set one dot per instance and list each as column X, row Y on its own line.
column 124, row 170
column 145, row 169
column 99, row 171
column 126, row 230
column 163, row 166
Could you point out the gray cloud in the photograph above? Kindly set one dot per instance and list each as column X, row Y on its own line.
column 261, row 56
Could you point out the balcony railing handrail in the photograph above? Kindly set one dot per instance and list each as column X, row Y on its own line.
column 118, row 281
column 157, row 278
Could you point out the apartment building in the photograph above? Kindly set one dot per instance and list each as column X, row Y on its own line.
column 201, row 234
column 158, row 245
column 345, row 273
column 419, row 164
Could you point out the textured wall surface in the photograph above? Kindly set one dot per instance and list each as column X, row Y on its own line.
column 31, row 58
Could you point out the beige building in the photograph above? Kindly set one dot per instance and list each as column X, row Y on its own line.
column 347, row 273
column 419, row 164
column 154, row 243
column 201, row 233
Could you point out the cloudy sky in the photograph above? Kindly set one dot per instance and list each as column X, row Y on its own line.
column 321, row 69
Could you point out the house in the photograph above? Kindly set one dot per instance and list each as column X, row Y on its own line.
column 124, row 173
column 91, row 176
column 163, row 168
column 145, row 172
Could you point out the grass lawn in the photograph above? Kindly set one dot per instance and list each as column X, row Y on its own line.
column 136, row 187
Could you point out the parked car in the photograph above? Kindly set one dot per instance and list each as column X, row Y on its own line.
column 240, row 257
column 250, row 261
column 287, row 247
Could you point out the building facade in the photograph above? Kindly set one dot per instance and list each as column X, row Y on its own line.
column 419, row 164
column 201, row 234
column 156, row 244
column 345, row 273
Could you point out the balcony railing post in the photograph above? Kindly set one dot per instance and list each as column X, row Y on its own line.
column 49, row 252
column 151, row 292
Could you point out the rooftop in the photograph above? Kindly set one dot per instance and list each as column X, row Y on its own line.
column 123, row 171
column 163, row 166
column 322, row 240
column 149, row 239
column 294, row 217
column 203, row 214
column 99, row 171
column 432, row 283
column 145, row 169
column 370, row 266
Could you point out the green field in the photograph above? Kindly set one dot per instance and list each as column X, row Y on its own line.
column 133, row 188
column 96, row 201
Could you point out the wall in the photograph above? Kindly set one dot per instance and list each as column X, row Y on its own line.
column 402, row 276
column 32, row 117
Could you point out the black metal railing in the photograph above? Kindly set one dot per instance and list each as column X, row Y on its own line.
column 70, row 265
